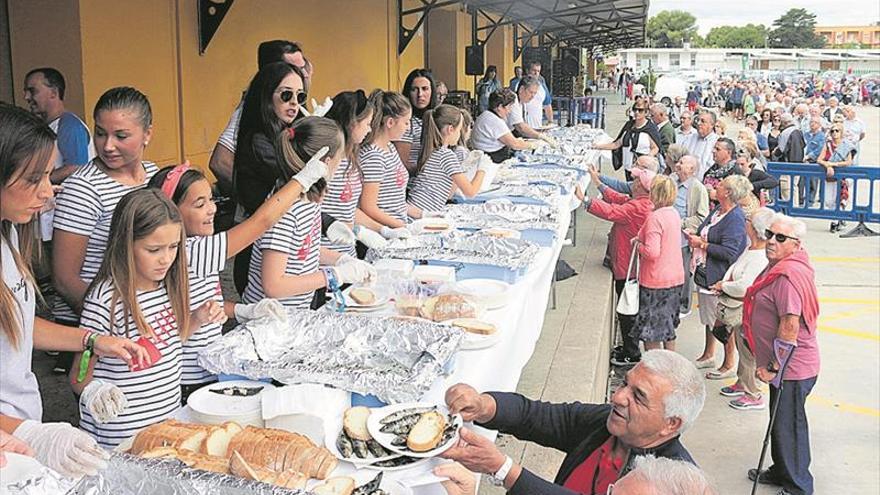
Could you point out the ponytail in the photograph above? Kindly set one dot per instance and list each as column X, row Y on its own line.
column 386, row 104
column 432, row 137
column 299, row 143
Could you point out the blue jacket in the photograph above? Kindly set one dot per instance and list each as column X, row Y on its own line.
column 727, row 240
column 574, row 428
column 815, row 142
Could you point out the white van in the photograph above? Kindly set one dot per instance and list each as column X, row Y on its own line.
column 668, row 87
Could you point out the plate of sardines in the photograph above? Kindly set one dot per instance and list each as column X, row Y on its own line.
column 349, row 440
column 418, row 429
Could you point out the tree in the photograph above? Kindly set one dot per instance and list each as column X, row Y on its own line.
column 795, row 29
column 748, row 36
column 669, row 28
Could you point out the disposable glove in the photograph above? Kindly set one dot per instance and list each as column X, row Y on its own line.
column 398, row 233
column 62, row 447
column 345, row 259
column 266, row 308
column 314, row 170
column 322, row 109
column 104, row 400
column 355, row 272
column 370, row 238
column 549, row 140
column 339, row 233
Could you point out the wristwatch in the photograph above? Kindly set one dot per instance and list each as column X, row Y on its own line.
column 497, row 479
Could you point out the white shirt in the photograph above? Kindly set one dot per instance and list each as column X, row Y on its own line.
column 153, row 394
column 702, row 149
column 643, row 147
column 85, row 207
column 206, row 258
column 488, row 129
column 516, row 115
column 21, row 395
column 535, row 109
column 229, row 137
column 684, row 138
column 298, row 235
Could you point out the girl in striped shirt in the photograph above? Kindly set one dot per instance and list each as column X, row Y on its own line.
column 123, row 128
column 384, row 194
column 141, row 292
column 208, row 251
column 439, row 169
column 285, row 260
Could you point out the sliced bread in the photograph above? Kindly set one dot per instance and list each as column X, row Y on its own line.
column 354, row 421
column 427, row 432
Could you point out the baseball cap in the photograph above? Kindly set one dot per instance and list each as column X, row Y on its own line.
column 645, row 177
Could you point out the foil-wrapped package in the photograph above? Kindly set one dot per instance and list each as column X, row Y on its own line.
column 393, row 359
column 44, row 482
column 546, row 193
column 564, row 178
column 504, row 214
column 461, row 247
column 130, row 475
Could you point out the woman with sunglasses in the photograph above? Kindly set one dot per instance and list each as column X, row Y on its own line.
column 271, row 104
column 638, row 137
column 766, row 122
column 775, row 129
column 837, row 152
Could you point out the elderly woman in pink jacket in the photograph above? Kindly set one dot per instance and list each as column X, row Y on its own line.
column 661, row 274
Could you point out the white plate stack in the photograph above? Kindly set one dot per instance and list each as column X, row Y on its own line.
column 215, row 408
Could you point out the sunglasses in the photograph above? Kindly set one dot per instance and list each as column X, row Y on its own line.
column 835, row 131
column 769, row 234
column 288, row 95
column 639, row 109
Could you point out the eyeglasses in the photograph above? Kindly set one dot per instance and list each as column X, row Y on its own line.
column 835, row 131
column 769, row 234
column 742, row 152
column 288, row 95
column 639, row 109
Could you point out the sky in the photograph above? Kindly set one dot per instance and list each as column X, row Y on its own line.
column 711, row 13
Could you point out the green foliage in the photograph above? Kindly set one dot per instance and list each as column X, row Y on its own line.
column 748, row 36
column 795, row 29
column 669, row 28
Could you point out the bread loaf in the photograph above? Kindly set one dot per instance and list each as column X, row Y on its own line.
column 341, row 485
column 427, row 432
column 447, row 307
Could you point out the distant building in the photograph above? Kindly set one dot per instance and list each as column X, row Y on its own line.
column 850, row 36
column 739, row 59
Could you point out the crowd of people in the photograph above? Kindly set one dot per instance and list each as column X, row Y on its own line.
column 135, row 260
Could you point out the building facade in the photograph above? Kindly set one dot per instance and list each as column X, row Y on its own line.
column 738, row 59
column 850, row 36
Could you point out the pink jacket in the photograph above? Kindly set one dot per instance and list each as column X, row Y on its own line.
column 660, row 250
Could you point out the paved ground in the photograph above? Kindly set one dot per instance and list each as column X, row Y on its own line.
column 844, row 409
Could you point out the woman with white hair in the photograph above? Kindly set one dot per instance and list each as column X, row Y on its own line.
column 731, row 289
column 663, row 476
column 717, row 243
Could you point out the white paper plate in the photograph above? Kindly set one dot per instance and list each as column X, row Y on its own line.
column 418, row 226
column 474, row 341
column 381, row 300
column 331, row 433
column 210, row 407
column 18, row 468
column 374, row 426
column 490, row 293
column 391, row 486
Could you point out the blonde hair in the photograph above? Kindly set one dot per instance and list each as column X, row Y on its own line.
column 663, row 191
column 723, row 125
column 386, row 105
column 138, row 214
column 432, row 130
column 749, row 147
column 302, row 140
column 26, row 144
column 466, row 122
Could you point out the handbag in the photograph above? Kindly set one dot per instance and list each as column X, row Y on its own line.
column 628, row 304
column 700, row 277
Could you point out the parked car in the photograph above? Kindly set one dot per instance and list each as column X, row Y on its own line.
column 875, row 96
column 668, row 87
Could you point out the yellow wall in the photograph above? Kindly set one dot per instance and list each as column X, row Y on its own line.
column 499, row 52
column 36, row 41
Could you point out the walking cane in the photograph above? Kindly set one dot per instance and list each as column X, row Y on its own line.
column 772, row 419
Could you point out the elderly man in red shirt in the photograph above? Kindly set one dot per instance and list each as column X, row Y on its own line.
column 780, row 313
column 628, row 214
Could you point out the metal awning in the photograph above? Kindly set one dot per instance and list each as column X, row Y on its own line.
column 591, row 24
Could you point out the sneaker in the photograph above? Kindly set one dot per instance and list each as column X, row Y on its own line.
column 625, row 361
column 706, row 363
column 735, row 390
column 59, row 369
column 746, row 403
column 684, row 314
column 52, row 353
column 765, row 478
column 617, row 351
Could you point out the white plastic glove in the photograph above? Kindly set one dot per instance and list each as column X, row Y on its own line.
column 322, row 109
column 270, row 308
column 472, row 159
column 344, row 259
column 370, row 238
column 531, row 145
column 314, row 170
column 339, row 233
column 398, row 233
column 104, row 400
column 355, row 272
column 549, row 140
column 63, row 448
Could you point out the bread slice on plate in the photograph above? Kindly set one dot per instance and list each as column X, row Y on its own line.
column 341, row 485
column 354, row 422
column 427, row 432
column 474, row 326
column 362, row 296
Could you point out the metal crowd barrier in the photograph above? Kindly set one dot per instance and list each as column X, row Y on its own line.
column 821, row 199
column 569, row 111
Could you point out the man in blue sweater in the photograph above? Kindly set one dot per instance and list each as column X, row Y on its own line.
column 661, row 397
